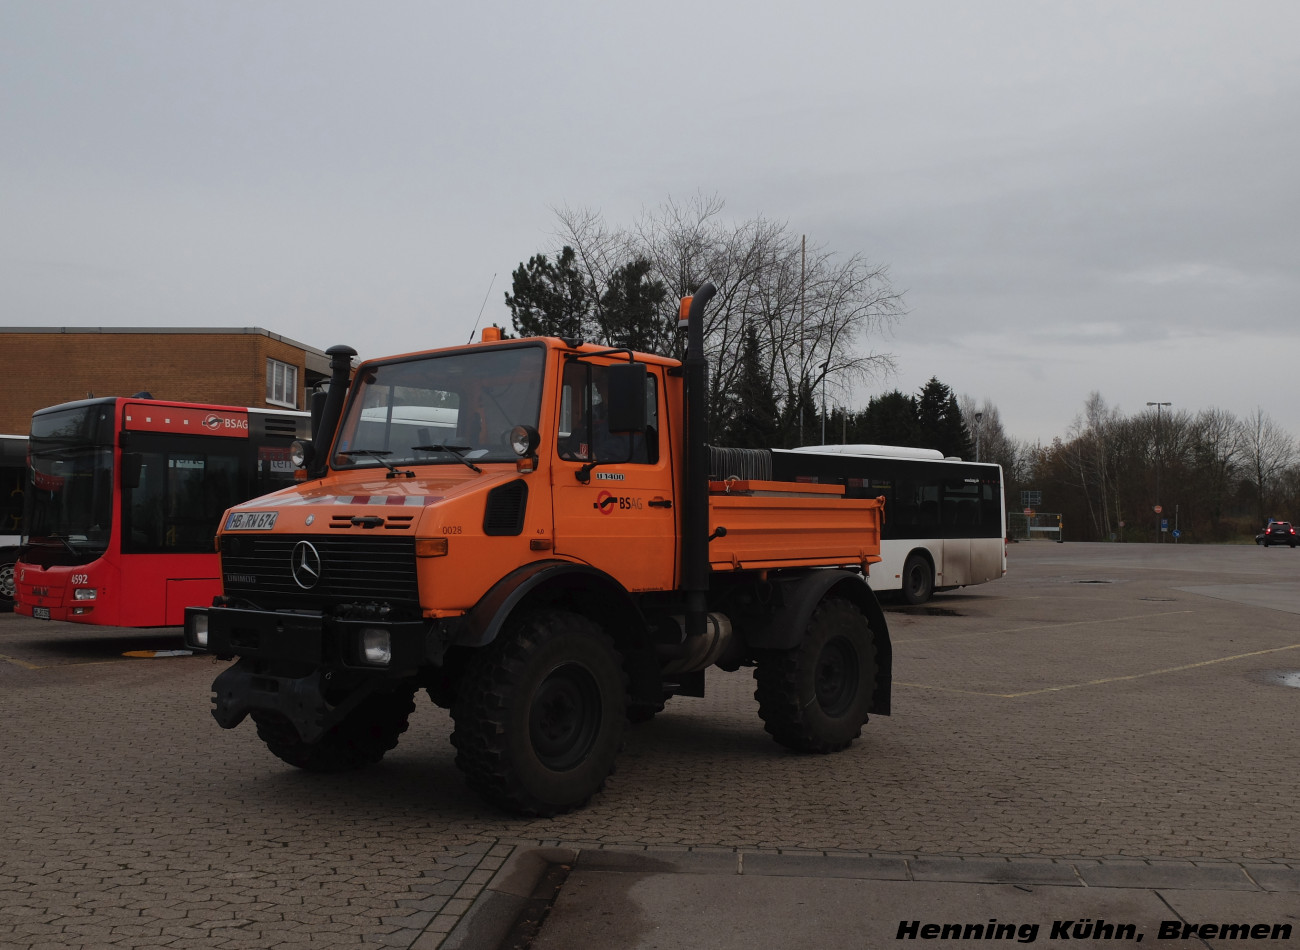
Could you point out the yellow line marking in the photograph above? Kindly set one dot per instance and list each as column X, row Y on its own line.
column 1102, row 682
column 1043, row 626
column 57, row 666
column 17, row 662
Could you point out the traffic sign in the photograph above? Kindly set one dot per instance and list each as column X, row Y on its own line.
column 1157, row 509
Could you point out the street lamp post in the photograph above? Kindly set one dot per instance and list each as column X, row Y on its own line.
column 1159, row 534
column 824, row 366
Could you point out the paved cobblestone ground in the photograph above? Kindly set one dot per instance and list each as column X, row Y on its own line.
column 1092, row 706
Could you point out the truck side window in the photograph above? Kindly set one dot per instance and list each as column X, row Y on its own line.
column 584, row 434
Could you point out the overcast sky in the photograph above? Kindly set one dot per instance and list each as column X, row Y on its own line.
column 1075, row 197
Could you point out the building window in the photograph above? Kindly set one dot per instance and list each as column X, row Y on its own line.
column 281, row 384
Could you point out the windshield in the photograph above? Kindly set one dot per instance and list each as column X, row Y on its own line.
column 69, row 502
column 441, row 410
column 13, row 486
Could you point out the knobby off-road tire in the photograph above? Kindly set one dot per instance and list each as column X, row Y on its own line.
column 361, row 739
column 815, row 697
column 540, row 714
column 918, row 580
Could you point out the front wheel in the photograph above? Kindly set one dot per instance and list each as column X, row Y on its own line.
column 7, row 562
column 918, row 580
column 361, row 739
column 540, row 713
column 815, row 696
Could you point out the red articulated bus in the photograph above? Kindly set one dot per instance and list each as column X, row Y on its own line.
column 124, row 499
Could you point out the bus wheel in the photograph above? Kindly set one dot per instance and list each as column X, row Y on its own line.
column 540, row 714
column 7, row 562
column 918, row 580
column 361, row 739
column 815, row 697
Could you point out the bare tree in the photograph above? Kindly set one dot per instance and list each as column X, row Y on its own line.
column 1091, row 455
column 1267, row 450
column 811, row 310
column 992, row 443
column 1218, row 452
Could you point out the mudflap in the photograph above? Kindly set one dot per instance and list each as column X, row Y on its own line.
column 243, row 688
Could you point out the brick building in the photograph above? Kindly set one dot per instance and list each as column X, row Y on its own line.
column 238, row 366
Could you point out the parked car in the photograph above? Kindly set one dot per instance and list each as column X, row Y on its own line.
column 1277, row 532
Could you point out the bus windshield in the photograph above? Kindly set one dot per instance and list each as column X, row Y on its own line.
column 448, row 409
column 69, row 502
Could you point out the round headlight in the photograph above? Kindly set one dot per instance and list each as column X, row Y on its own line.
column 524, row 439
column 299, row 452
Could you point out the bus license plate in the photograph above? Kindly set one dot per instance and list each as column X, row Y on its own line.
column 40, row 613
column 251, row 520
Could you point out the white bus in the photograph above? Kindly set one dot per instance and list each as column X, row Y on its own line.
column 945, row 519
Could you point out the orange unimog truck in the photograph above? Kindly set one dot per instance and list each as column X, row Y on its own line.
column 536, row 533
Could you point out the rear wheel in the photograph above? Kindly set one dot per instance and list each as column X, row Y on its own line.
column 918, row 579
column 361, row 739
column 540, row 714
column 815, row 697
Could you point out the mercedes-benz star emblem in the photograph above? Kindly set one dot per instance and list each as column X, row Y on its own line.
column 305, row 565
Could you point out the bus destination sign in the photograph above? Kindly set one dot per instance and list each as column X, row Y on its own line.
column 160, row 417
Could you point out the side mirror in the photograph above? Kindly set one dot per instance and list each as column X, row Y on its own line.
column 317, row 407
column 132, row 464
column 627, row 392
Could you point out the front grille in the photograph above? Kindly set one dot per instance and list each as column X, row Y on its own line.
column 351, row 570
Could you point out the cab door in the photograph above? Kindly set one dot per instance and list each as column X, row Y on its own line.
column 623, row 518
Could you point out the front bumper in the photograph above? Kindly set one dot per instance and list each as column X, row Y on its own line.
column 315, row 640
column 307, row 668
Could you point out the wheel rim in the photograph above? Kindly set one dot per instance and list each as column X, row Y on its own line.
column 7, row 582
column 565, row 717
column 916, row 579
column 837, row 677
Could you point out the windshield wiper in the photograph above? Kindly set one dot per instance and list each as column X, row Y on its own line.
column 453, row 449
column 42, row 540
column 393, row 470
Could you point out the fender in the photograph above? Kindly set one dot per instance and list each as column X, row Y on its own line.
column 583, row 589
column 802, row 595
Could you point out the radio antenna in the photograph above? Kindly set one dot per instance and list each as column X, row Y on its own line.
column 482, row 308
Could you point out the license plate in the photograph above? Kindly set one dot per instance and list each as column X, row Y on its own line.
column 41, row 613
column 251, row 520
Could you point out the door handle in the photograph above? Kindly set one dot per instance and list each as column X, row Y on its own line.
column 660, row 503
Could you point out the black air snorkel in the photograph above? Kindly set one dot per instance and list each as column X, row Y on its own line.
column 695, row 515
column 322, row 435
